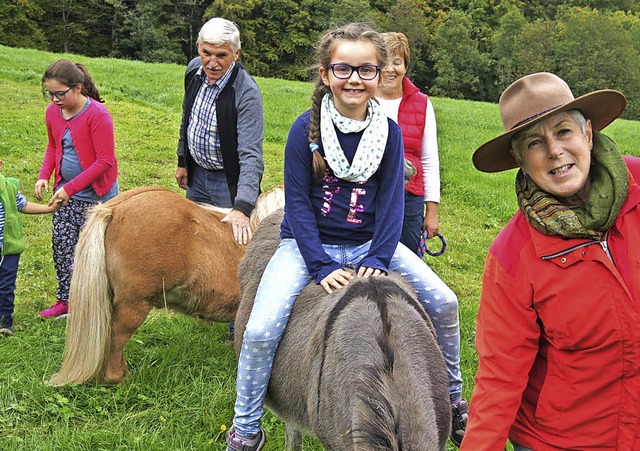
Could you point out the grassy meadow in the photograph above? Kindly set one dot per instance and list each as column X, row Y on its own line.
column 181, row 387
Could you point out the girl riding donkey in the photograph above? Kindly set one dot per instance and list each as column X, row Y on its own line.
column 344, row 192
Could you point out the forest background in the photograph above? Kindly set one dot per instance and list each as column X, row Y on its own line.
column 461, row 49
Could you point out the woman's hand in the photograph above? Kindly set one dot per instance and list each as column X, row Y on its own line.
column 431, row 223
column 59, row 199
column 41, row 183
column 370, row 272
column 337, row 279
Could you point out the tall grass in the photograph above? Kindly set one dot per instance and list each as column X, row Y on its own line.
column 180, row 391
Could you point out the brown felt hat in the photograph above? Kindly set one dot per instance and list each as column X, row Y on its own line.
column 532, row 99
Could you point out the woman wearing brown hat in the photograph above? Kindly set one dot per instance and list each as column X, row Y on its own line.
column 558, row 329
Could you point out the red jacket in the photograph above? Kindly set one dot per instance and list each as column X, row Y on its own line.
column 412, row 116
column 558, row 339
column 93, row 138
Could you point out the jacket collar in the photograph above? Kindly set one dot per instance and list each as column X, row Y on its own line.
column 408, row 88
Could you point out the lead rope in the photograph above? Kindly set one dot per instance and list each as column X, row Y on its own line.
column 424, row 249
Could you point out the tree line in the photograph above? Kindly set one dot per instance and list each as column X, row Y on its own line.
column 462, row 49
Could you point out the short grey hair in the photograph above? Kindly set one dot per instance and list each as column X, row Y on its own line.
column 517, row 139
column 219, row 31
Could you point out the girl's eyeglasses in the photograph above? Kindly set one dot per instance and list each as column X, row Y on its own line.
column 57, row 94
column 365, row 72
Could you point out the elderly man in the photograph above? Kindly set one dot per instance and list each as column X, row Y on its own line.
column 220, row 146
column 557, row 330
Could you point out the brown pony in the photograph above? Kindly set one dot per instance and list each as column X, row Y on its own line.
column 145, row 248
column 360, row 368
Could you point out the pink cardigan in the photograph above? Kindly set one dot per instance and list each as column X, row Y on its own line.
column 93, row 138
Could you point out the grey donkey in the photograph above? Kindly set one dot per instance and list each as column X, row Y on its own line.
column 360, row 369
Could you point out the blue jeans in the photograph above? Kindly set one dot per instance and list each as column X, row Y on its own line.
column 208, row 187
column 8, row 275
column 412, row 222
column 284, row 278
column 520, row 448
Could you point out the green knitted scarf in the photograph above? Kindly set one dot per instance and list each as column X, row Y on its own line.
column 609, row 189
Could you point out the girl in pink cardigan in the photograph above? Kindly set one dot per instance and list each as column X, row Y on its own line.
column 81, row 156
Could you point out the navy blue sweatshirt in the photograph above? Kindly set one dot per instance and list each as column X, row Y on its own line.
column 335, row 211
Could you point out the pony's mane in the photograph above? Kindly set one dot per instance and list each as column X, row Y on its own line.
column 267, row 203
column 215, row 208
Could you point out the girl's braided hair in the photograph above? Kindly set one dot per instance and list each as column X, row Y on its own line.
column 324, row 50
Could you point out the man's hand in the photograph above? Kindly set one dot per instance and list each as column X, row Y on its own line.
column 181, row 177
column 240, row 225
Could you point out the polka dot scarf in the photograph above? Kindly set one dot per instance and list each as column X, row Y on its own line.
column 370, row 149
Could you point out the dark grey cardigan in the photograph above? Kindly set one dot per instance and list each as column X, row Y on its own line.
column 240, row 127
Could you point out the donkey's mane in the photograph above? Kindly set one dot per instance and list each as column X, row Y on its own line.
column 380, row 426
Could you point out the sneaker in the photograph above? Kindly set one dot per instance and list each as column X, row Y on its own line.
column 6, row 325
column 58, row 310
column 254, row 444
column 459, row 416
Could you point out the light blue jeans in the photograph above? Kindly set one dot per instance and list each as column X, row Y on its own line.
column 284, row 278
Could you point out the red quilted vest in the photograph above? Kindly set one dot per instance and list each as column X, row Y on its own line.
column 411, row 118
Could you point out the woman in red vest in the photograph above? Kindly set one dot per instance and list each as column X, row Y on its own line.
column 411, row 109
column 403, row 102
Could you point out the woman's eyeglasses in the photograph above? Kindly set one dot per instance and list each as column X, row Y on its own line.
column 365, row 72
column 57, row 94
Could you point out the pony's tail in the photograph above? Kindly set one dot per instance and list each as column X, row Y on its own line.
column 90, row 307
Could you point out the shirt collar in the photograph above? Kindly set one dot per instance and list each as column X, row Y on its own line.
column 222, row 82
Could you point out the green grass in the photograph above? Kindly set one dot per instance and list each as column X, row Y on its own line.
column 180, row 391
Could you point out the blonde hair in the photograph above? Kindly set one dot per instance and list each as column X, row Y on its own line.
column 398, row 44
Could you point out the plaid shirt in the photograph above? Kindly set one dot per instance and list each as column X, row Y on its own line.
column 202, row 133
